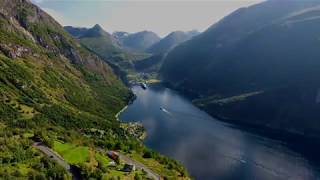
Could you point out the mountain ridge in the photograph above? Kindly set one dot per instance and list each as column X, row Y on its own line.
column 225, row 66
column 139, row 41
column 107, row 46
column 170, row 41
column 160, row 49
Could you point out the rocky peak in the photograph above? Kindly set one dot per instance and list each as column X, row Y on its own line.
column 97, row 27
column 96, row 31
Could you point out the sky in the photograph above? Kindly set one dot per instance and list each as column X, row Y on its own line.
column 161, row 17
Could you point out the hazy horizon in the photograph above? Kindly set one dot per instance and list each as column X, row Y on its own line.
column 161, row 17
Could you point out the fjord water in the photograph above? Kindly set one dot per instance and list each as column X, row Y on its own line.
column 208, row 148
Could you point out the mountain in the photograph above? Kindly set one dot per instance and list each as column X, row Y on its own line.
column 100, row 41
column 160, row 49
column 55, row 91
column 96, row 31
column 96, row 38
column 170, row 41
column 120, row 35
column 107, row 46
column 75, row 31
column 139, row 41
column 257, row 66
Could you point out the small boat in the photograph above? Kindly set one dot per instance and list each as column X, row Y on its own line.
column 163, row 109
column 143, row 85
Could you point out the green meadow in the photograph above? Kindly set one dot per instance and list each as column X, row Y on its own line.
column 71, row 153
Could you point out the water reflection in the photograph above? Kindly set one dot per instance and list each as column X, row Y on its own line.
column 209, row 148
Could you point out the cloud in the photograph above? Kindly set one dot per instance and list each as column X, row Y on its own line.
column 55, row 14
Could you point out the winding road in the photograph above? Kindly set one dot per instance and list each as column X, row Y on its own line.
column 55, row 156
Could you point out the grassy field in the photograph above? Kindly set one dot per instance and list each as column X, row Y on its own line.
column 71, row 153
column 80, row 154
column 145, row 78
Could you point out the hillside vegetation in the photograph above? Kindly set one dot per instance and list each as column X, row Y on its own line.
column 54, row 90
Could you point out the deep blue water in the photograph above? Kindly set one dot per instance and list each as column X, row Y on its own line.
column 208, row 148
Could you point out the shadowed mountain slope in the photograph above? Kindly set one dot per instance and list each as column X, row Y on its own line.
column 259, row 65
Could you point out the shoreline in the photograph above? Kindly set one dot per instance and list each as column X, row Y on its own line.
column 134, row 126
column 118, row 113
column 273, row 133
column 130, row 101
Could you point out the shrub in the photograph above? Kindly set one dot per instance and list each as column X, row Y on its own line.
column 137, row 177
column 147, row 154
